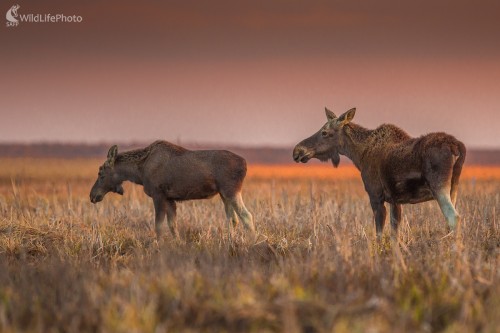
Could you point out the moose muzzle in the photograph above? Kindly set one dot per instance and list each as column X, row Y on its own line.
column 95, row 198
column 302, row 154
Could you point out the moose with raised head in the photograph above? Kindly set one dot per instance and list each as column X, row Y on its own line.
column 170, row 173
column 395, row 167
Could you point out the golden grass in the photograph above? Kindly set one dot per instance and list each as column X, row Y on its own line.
column 68, row 265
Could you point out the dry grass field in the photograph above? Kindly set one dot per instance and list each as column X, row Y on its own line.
column 69, row 266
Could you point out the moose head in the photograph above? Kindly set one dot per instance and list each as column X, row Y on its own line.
column 327, row 142
column 107, row 179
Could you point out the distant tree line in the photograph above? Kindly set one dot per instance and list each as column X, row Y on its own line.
column 262, row 155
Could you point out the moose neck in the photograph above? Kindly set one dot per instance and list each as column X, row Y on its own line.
column 354, row 143
column 128, row 170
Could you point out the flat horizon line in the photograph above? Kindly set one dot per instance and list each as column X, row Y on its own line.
column 193, row 144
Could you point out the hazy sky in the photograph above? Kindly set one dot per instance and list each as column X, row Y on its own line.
column 249, row 72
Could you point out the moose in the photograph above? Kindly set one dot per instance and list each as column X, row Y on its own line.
column 170, row 173
column 395, row 168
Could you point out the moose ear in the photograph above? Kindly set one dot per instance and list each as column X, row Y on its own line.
column 329, row 114
column 113, row 151
column 346, row 117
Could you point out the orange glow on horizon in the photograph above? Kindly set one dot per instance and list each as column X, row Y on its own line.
column 299, row 171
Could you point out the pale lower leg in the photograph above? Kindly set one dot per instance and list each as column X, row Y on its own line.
column 230, row 214
column 235, row 219
column 448, row 209
column 242, row 212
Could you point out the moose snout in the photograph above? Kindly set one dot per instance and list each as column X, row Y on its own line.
column 95, row 198
column 301, row 154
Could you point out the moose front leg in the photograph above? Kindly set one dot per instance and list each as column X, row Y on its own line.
column 395, row 214
column 171, row 216
column 379, row 212
column 160, row 212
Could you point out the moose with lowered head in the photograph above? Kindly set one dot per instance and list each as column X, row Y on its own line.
column 170, row 173
column 395, row 168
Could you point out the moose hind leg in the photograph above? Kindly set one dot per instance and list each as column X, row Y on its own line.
column 453, row 196
column 230, row 215
column 243, row 213
column 447, row 208
column 438, row 171
column 454, row 189
column 455, row 179
column 230, row 212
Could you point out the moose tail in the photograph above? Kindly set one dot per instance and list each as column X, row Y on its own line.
column 460, row 151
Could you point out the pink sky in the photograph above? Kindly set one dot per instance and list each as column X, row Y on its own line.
column 254, row 74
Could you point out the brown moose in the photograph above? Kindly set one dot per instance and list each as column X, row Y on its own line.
column 395, row 167
column 171, row 173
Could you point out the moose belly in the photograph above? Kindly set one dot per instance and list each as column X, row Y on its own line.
column 409, row 190
column 190, row 191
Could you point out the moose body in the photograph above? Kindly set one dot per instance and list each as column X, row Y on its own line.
column 170, row 173
column 395, row 167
